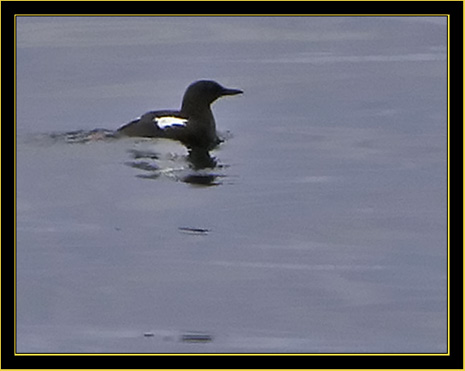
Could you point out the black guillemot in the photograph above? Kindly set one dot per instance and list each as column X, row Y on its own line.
column 193, row 125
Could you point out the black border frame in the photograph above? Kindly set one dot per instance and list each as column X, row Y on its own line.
column 454, row 9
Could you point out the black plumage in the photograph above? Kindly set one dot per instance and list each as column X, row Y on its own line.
column 194, row 124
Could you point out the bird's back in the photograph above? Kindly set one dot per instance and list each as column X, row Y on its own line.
column 146, row 125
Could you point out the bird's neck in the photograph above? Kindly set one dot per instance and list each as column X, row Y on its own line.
column 199, row 113
column 189, row 109
column 200, row 121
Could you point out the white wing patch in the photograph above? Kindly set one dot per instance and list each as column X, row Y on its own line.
column 167, row 121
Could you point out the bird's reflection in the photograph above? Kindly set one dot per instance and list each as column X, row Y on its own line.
column 200, row 158
column 198, row 168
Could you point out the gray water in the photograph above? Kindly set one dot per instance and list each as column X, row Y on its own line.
column 321, row 230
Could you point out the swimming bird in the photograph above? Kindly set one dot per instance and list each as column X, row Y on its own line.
column 193, row 125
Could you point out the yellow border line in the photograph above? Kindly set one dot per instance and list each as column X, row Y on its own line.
column 233, row 15
column 448, row 189
column 254, row 15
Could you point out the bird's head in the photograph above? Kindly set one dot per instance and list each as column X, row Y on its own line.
column 201, row 94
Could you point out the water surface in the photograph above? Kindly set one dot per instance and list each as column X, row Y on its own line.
column 322, row 229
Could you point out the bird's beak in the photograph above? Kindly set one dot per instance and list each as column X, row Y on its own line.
column 231, row 92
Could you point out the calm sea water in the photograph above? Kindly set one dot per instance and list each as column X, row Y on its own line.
column 321, row 229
